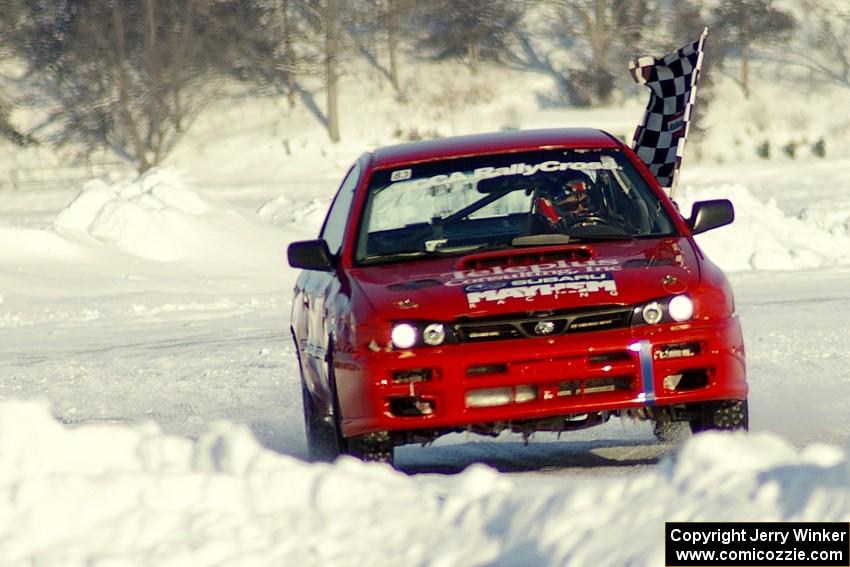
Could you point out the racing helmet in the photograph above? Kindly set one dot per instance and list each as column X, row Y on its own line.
column 568, row 198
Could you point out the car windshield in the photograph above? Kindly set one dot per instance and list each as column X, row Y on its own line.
column 503, row 200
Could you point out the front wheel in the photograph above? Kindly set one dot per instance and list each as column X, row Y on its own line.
column 725, row 415
column 670, row 432
column 377, row 447
column 323, row 439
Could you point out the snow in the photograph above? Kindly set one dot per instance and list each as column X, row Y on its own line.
column 763, row 237
column 157, row 218
column 150, row 411
column 138, row 496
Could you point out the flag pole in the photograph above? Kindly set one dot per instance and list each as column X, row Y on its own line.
column 659, row 140
column 689, row 109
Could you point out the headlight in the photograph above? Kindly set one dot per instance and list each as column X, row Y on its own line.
column 404, row 335
column 681, row 308
column 434, row 334
column 410, row 334
column 652, row 313
column 674, row 309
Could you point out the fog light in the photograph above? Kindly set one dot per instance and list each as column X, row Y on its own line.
column 652, row 313
column 681, row 308
column 570, row 388
column 408, row 406
column 671, row 381
column 403, row 335
column 434, row 334
column 412, row 376
column 683, row 350
column 487, row 369
column 525, row 394
column 489, row 397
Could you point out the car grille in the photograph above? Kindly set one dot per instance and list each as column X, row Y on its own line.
column 542, row 324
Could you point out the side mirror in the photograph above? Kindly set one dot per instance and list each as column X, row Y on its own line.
column 310, row 255
column 706, row 215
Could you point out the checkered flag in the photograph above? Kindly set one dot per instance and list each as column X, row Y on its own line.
column 660, row 139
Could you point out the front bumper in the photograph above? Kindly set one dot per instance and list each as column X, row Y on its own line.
column 542, row 377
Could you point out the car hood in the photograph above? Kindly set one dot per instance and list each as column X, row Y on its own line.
column 530, row 279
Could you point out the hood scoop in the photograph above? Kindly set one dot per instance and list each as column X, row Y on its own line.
column 648, row 262
column 415, row 284
column 522, row 258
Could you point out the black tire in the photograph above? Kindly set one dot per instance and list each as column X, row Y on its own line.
column 323, row 439
column 670, row 432
column 726, row 415
column 376, row 447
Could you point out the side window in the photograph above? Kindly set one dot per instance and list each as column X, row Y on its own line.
column 334, row 229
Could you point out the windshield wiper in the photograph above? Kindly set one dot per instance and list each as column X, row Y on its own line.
column 400, row 255
column 599, row 232
column 601, row 236
column 549, row 239
column 557, row 238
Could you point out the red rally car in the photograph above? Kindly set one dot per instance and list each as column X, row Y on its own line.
column 531, row 281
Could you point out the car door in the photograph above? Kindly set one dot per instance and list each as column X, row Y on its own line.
column 320, row 292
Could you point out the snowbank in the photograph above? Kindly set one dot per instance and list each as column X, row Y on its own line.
column 763, row 237
column 158, row 218
column 152, row 233
column 113, row 495
column 304, row 218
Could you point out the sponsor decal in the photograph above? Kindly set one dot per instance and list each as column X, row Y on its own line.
column 486, row 286
column 544, row 327
column 401, row 174
column 556, row 268
column 406, row 304
column 529, row 289
column 522, row 169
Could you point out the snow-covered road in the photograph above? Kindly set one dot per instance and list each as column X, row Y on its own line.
column 183, row 367
column 796, row 334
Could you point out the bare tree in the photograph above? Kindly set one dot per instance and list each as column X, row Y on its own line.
column 377, row 28
column 286, row 20
column 605, row 35
column 744, row 24
column 289, row 40
column 9, row 18
column 327, row 16
column 9, row 130
column 331, row 27
column 825, row 37
column 278, row 48
column 130, row 75
column 394, row 9
column 471, row 31
column 12, row 14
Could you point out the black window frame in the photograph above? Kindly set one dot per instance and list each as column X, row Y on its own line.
column 347, row 189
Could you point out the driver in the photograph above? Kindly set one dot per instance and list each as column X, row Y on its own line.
column 567, row 205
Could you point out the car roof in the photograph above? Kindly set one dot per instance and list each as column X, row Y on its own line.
column 492, row 143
